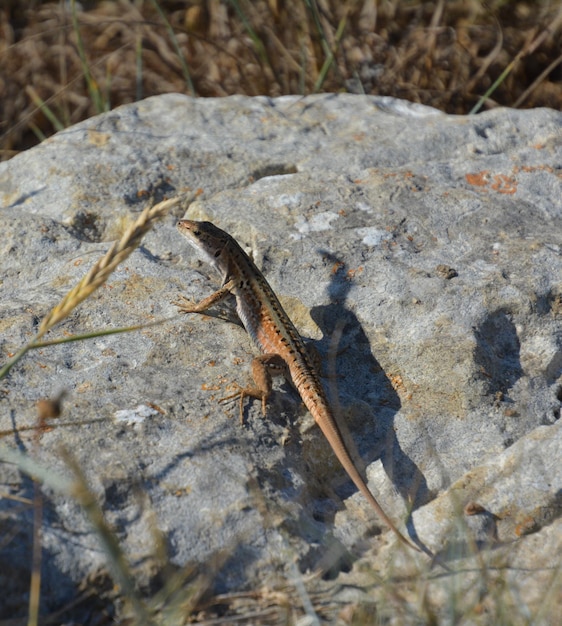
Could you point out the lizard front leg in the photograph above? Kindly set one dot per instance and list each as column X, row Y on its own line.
column 186, row 306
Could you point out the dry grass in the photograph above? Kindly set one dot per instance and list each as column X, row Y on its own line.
column 95, row 278
column 60, row 64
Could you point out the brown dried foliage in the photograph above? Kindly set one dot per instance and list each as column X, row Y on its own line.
column 445, row 53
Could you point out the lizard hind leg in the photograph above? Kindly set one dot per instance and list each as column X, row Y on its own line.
column 244, row 392
column 263, row 367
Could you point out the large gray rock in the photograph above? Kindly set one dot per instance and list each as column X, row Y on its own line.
column 435, row 240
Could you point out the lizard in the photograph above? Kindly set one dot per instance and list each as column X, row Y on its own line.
column 282, row 347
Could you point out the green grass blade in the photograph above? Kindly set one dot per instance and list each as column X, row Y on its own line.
column 93, row 87
column 184, row 66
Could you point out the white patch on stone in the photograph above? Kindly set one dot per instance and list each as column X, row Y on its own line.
column 363, row 206
column 317, row 223
column 372, row 236
column 134, row 416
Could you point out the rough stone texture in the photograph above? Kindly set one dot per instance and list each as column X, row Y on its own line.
column 435, row 240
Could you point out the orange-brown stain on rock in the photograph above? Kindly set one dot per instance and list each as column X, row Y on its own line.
column 496, row 182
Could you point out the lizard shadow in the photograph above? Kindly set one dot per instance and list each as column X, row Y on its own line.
column 362, row 381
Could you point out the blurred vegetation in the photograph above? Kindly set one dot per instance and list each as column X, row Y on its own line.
column 61, row 62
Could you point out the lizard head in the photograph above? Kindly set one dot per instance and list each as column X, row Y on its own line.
column 207, row 238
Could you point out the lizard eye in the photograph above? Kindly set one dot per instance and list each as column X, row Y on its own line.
column 217, row 253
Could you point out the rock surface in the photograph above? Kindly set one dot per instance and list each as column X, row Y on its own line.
column 435, row 241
